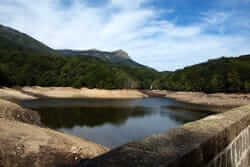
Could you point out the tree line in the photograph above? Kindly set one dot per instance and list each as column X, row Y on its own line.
column 220, row 75
column 23, row 68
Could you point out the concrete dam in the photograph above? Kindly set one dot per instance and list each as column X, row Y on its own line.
column 221, row 140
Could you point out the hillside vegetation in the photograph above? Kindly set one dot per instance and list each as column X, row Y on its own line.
column 219, row 75
column 25, row 61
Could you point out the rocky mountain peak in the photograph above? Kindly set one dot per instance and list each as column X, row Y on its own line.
column 121, row 53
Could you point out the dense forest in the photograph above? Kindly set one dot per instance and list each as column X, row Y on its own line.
column 24, row 69
column 219, row 75
column 25, row 61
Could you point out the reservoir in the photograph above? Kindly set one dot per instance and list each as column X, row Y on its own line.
column 114, row 122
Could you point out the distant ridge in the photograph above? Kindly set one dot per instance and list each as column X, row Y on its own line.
column 12, row 39
column 118, row 56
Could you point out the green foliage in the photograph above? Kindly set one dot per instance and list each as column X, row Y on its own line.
column 247, row 86
column 3, row 78
column 221, row 75
column 19, row 68
column 25, row 61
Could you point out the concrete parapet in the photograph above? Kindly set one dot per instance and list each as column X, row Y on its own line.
column 220, row 140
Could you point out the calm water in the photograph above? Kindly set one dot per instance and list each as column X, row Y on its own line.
column 113, row 122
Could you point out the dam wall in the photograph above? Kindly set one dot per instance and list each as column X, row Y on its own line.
column 221, row 140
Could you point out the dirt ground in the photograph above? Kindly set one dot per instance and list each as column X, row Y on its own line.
column 67, row 92
column 216, row 99
column 24, row 143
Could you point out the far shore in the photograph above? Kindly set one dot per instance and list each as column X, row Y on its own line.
column 36, row 92
column 222, row 101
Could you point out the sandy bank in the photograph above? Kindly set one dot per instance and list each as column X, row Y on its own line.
column 23, row 143
column 221, row 100
column 67, row 92
column 12, row 111
column 11, row 93
column 27, row 145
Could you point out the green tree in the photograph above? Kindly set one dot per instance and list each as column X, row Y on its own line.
column 233, row 82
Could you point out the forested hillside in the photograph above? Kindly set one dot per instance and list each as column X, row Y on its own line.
column 220, row 75
column 25, row 61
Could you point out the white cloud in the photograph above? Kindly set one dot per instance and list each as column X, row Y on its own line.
column 123, row 24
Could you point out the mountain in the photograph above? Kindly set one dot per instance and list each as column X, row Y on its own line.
column 24, row 61
column 11, row 40
column 119, row 56
column 218, row 75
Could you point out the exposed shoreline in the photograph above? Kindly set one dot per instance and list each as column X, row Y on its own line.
column 219, row 101
column 36, row 92
column 19, row 124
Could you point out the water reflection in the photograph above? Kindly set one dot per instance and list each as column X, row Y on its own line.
column 57, row 118
column 113, row 122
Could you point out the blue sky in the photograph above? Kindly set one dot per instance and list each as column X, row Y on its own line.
column 164, row 34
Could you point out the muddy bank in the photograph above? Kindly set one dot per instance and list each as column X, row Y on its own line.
column 24, row 143
column 219, row 101
column 24, row 93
